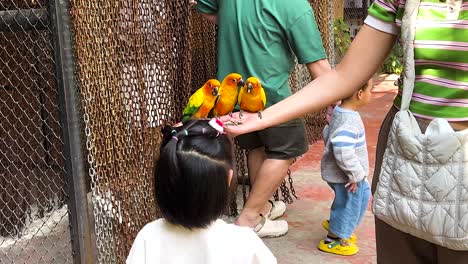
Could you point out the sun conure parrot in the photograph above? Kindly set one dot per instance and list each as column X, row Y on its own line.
column 202, row 101
column 228, row 91
column 252, row 97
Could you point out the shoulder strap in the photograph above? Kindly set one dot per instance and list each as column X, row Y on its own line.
column 408, row 28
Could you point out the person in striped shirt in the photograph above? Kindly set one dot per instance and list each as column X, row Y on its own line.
column 441, row 91
column 345, row 167
column 441, row 57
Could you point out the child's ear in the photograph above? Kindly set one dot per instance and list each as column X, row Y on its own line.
column 359, row 94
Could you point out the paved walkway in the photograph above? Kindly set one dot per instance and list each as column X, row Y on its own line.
column 305, row 215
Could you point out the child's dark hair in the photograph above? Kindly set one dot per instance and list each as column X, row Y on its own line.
column 191, row 176
column 364, row 87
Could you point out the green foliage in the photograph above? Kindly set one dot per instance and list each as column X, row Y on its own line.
column 342, row 37
column 393, row 63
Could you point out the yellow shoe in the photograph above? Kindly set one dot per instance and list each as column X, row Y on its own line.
column 326, row 226
column 337, row 248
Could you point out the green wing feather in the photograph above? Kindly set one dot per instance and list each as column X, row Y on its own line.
column 193, row 105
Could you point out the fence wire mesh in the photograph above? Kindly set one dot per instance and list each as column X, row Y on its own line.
column 137, row 64
column 354, row 13
column 348, row 18
column 134, row 71
column 33, row 214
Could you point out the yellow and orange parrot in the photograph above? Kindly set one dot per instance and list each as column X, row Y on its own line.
column 228, row 94
column 202, row 101
column 252, row 97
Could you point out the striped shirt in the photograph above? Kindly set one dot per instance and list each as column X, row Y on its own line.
column 441, row 54
column 345, row 155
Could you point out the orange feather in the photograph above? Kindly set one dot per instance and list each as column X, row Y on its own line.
column 228, row 94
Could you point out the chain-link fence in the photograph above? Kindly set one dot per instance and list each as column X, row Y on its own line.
column 135, row 80
column 354, row 13
column 136, row 64
column 348, row 18
column 33, row 211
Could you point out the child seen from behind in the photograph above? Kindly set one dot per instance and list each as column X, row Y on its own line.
column 192, row 180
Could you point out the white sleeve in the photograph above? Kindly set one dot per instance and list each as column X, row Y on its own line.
column 380, row 25
column 382, row 15
column 137, row 253
column 261, row 254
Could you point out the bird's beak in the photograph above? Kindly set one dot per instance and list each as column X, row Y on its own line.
column 215, row 91
column 240, row 83
column 249, row 87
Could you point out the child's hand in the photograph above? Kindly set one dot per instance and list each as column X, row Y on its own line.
column 351, row 186
column 330, row 111
column 192, row 2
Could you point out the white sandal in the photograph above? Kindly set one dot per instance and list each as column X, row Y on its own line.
column 269, row 228
column 277, row 209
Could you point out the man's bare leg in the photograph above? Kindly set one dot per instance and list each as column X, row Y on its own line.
column 267, row 180
column 255, row 160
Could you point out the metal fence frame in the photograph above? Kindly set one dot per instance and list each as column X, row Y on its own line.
column 80, row 229
column 57, row 17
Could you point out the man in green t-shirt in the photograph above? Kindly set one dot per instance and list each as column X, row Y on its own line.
column 261, row 38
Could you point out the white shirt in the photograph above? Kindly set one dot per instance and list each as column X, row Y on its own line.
column 221, row 243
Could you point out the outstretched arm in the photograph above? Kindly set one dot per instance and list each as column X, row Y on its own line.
column 317, row 69
column 367, row 52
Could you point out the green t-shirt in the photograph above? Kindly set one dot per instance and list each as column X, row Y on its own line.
column 260, row 38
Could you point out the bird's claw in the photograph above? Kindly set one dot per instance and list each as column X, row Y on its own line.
column 260, row 115
column 232, row 123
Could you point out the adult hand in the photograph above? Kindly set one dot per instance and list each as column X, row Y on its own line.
column 351, row 187
column 238, row 124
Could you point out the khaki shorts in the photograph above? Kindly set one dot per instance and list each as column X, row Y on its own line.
column 283, row 142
